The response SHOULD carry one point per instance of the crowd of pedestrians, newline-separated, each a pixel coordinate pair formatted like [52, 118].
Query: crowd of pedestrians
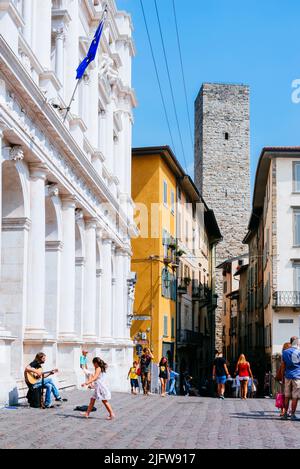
[140, 375]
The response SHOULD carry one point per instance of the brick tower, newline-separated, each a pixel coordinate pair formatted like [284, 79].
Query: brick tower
[222, 169]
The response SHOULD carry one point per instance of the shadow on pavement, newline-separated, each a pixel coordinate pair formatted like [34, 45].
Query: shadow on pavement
[260, 416]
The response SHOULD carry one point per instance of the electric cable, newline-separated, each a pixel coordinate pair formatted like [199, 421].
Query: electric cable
[183, 75]
[170, 83]
[157, 75]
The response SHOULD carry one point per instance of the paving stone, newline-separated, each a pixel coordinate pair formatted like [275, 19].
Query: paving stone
[150, 423]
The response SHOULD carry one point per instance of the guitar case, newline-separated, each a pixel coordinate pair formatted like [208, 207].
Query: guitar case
[34, 397]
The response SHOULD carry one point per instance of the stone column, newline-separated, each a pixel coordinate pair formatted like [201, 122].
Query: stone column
[27, 14]
[98, 300]
[93, 105]
[35, 321]
[59, 54]
[127, 265]
[1, 159]
[102, 131]
[109, 163]
[119, 309]
[106, 313]
[89, 323]
[67, 303]
[79, 295]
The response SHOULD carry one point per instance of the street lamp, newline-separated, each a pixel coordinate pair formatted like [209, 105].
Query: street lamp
[166, 279]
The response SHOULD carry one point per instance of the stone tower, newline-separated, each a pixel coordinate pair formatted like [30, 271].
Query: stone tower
[222, 169]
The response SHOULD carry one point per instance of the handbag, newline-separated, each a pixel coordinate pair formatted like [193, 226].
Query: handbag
[279, 401]
[138, 371]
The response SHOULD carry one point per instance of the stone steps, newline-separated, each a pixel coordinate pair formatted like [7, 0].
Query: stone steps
[23, 388]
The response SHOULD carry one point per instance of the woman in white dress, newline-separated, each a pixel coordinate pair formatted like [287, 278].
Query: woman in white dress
[99, 385]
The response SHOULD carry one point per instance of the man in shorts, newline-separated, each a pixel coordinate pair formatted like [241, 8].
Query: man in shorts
[291, 360]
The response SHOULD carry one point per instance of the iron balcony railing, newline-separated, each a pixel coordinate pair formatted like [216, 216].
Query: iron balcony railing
[201, 292]
[286, 299]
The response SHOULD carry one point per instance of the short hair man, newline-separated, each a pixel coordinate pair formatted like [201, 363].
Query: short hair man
[291, 360]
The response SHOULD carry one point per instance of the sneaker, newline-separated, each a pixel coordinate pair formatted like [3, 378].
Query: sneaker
[49, 406]
[294, 417]
[284, 417]
[60, 399]
[222, 397]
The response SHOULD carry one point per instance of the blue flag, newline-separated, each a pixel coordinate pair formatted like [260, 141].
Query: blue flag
[91, 53]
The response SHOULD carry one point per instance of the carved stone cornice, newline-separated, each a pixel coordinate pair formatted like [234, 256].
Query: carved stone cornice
[38, 171]
[68, 201]
[107, 241]
[16, 153]
[99, 273]
[60, 19]
[52, 190]
[80, 261]
[54, 246]
[91, 223]
[78, 215]
[13, 12]
[121, 252]
[16, 224]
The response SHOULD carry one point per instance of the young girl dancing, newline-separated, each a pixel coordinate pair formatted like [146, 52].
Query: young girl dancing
[99, 385]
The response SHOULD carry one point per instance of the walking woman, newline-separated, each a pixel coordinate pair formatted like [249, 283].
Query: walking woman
[163, 375]
[101, 391]
[243, 370]
[281, 378]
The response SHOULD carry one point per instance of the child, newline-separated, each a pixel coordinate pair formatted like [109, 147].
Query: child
[134, 379]
[163, 375]
[83, 359]
[101, 391]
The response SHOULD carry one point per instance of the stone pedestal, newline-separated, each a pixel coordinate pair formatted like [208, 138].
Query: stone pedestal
[8, 385]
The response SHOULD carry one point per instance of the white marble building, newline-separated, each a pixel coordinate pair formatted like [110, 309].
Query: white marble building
[67, 212]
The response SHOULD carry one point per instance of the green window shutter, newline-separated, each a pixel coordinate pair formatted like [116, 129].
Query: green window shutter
[173, 328]
[166, 326]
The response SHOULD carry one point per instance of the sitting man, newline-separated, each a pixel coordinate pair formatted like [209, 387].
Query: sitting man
[35, 370]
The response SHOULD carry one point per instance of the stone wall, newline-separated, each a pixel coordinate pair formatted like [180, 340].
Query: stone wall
[222, 169]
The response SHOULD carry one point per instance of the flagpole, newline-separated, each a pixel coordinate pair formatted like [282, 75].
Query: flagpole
[72, 99]
[103, 18]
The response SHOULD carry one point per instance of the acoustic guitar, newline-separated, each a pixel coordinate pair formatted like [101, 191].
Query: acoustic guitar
[32, 378]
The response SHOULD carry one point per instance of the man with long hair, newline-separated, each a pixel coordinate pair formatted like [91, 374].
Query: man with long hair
[35, 368]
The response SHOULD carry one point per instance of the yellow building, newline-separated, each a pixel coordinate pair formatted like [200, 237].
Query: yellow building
[154, 175]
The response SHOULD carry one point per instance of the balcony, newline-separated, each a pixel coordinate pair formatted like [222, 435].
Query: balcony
[286, 299]
[201, 293]
[186, 337]
[183, 284]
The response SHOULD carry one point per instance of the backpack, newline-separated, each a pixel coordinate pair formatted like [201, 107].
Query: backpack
[34, 397]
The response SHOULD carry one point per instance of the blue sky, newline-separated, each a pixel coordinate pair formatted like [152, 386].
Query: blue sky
[255, 43]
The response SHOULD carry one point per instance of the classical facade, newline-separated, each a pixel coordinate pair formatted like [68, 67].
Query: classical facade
[67, 212]
[222, 168]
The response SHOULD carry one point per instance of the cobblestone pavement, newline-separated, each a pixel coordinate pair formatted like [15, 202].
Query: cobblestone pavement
[150, 423]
